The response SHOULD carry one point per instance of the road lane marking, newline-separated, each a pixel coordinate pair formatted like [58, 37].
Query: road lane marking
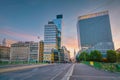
[56, 75]
[69, 73]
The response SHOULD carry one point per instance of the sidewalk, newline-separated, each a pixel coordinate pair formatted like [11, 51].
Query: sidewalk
[21, 67]
[85, 72]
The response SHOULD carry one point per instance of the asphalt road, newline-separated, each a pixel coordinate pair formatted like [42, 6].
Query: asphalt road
[84, 72]
[60, 72]
[50, 72]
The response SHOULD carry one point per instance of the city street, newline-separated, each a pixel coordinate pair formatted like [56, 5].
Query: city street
[60, 72]
[59, 40]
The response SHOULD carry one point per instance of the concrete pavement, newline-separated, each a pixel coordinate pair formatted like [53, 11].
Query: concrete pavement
[84, 72]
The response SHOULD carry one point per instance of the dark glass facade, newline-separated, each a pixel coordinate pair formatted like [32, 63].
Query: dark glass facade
[94, 32]
[58, 23]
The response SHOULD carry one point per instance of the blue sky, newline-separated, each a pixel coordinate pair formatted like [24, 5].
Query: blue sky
[24, 20]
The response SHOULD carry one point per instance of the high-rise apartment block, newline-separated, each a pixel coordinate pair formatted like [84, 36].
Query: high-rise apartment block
[94, 32]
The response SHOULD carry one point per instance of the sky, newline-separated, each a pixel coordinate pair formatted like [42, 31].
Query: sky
[24, 20]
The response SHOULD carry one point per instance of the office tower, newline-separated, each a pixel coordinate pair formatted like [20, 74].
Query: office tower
[94, 32]
[58, 23]
[52, 37]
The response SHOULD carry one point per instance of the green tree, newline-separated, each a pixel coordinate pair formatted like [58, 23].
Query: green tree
[0, 54]
[77, 58]
[95, 55]
[111, 56]
[118, 57]
[84, 56]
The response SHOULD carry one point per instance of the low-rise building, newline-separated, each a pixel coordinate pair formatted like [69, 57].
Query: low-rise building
[19, 51]
[48, 58]
[24, 51]
[55, 56]
[61, 55]
[34, 53]
[41, 51]
[118, 50]
[66, 54]
[4, 53]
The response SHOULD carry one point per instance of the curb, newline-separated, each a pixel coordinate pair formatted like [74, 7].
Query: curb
[21, 68]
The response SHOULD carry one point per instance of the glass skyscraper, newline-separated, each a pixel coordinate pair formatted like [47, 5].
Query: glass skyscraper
[52, 37]
[94, 32]
[58, 23]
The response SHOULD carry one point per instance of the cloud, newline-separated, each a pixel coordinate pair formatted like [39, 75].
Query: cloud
[116, 42]
[17, 35]
[70, 44]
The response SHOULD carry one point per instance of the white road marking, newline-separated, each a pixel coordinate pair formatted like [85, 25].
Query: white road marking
[69, 73]
[56, 75]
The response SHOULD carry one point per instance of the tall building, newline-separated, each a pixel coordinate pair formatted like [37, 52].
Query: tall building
[41, 51]
[58, 23]
[94, 32]
[52, 37]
